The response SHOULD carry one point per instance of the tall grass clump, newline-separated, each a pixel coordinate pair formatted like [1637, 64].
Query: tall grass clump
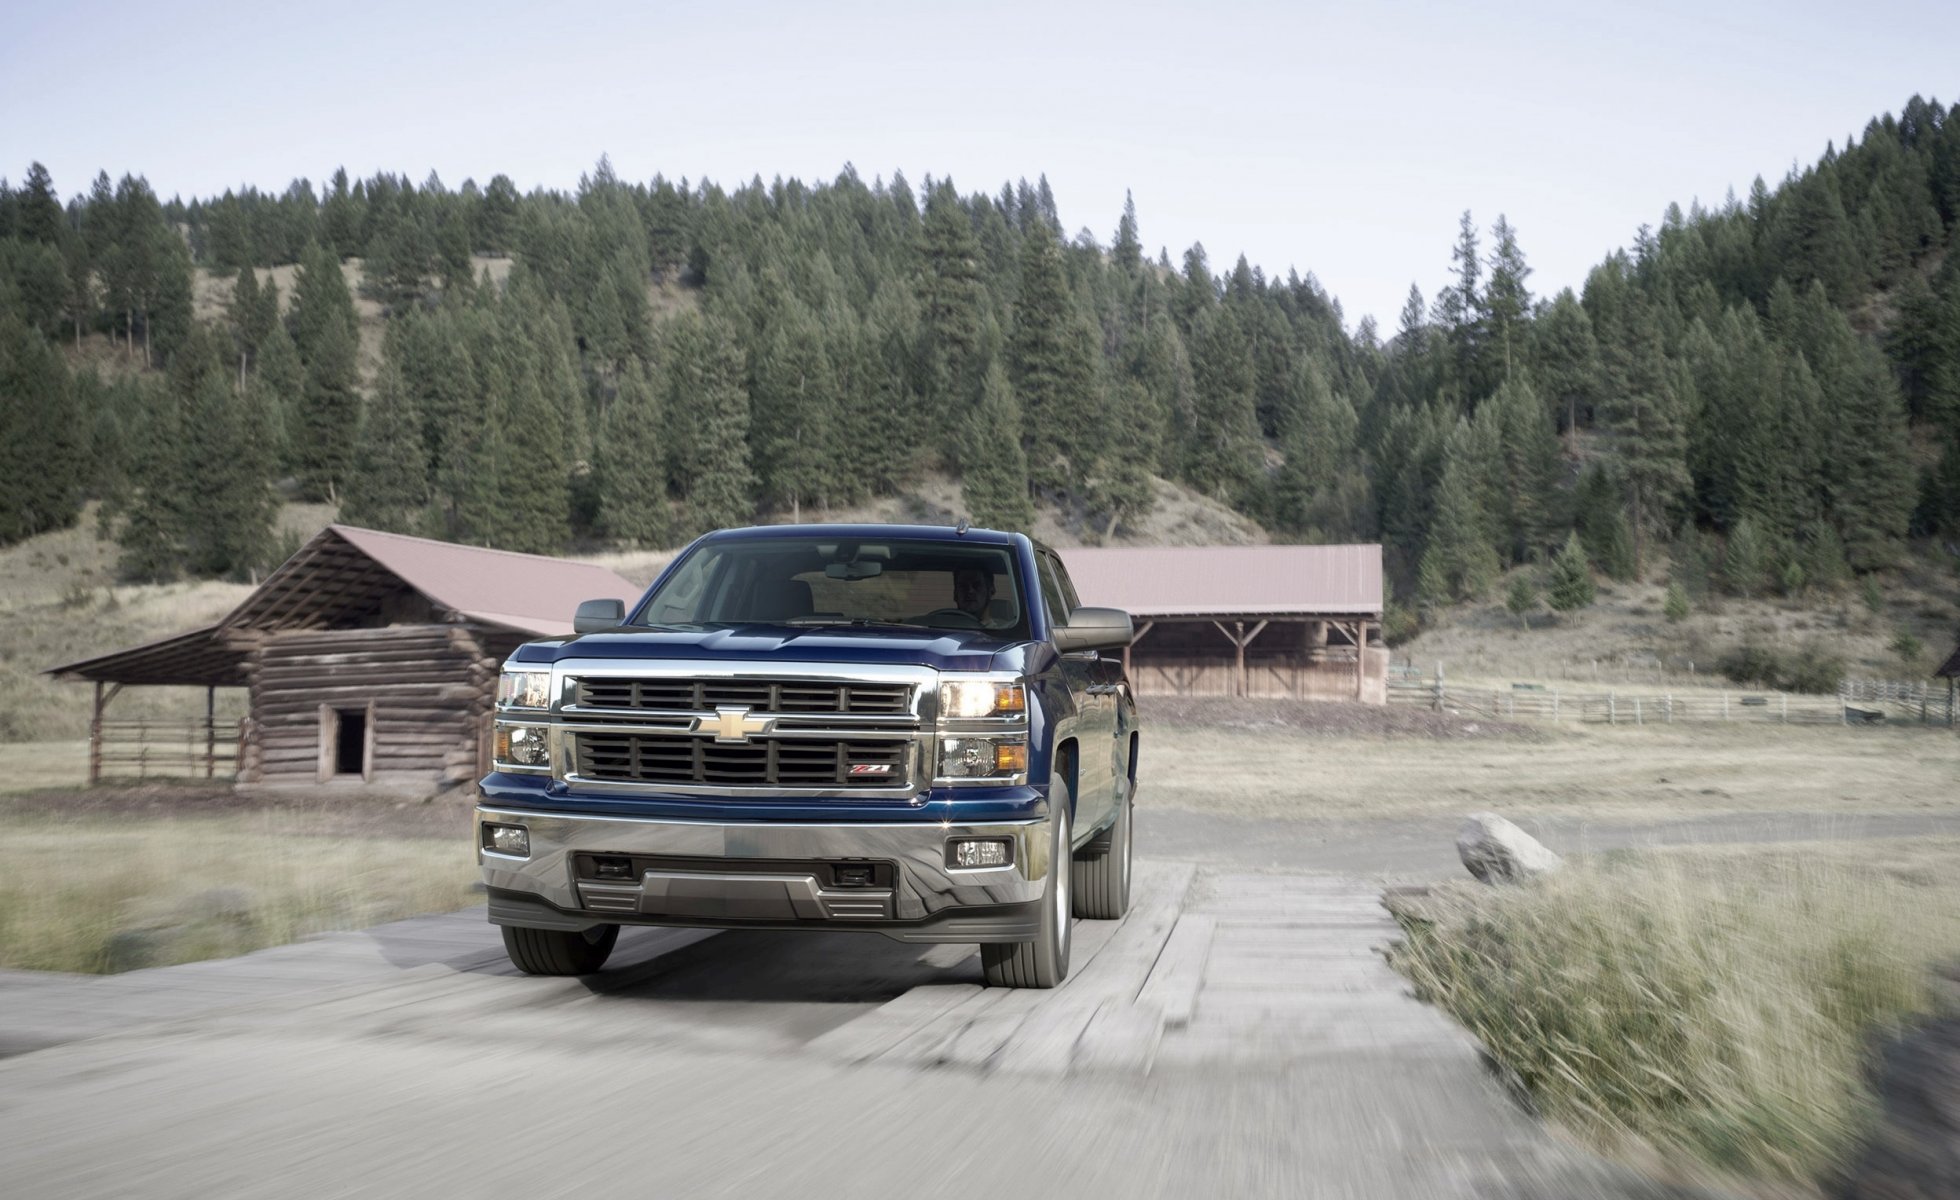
[104, 895]
[1726, 1006]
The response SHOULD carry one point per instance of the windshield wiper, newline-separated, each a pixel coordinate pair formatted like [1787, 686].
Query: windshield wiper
[854, 621]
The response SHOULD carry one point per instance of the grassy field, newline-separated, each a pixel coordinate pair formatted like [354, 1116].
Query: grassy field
[1621, 774]
[1719, 1004]
[114, 890]
[1624, 634]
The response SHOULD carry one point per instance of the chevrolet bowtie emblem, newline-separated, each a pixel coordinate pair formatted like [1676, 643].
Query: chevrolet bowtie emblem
[733, 724]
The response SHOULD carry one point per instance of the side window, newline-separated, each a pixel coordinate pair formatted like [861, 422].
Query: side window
[1052, 596]
[1068, 587]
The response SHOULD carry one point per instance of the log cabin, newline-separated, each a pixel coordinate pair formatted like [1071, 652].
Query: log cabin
[367, 658]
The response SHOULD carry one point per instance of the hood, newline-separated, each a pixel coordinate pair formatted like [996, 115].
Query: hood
[940, 649]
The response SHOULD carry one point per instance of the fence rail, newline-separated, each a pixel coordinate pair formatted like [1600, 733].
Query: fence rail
[164, 749]
[1856, 702]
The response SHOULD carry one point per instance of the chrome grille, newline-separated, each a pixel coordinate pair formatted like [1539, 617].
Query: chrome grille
[760, 695]
[787, 761]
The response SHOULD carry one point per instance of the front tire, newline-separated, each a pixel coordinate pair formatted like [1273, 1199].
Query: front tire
[1042, 963]
[1102, 870]
[559, 952]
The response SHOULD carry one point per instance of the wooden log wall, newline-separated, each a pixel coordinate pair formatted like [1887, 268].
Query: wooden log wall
[431, 688]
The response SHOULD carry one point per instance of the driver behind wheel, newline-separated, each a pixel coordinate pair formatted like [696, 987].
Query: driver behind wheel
[973, 591]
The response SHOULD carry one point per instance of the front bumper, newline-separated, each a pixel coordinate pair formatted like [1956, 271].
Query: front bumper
[766, 875]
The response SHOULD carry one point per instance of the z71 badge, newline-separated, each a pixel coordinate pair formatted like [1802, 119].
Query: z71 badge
[871, 769]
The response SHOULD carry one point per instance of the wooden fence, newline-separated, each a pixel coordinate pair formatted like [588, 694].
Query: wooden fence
[1856, 702]
[163, 749]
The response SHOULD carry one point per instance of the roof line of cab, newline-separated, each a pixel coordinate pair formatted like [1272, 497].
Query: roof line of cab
[988, 537]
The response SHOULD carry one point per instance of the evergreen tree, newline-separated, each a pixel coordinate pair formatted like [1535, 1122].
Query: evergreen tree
[1675, 605]
[633, 504]
[705, 381]
[1223, 455]
[1460, 536]
[1571, 586]
[1507, 305]
[1521, 599]
[329, 411]
[387, 486]
[1566, 360]
[995, 484]
[40, 452]
[1055, 371]
[1746, 559]
[952, 315]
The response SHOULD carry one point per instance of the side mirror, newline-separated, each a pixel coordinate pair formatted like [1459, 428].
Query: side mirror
[1095, 629]
[596, 615]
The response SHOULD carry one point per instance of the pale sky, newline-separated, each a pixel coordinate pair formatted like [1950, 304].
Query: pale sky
[1342, 139]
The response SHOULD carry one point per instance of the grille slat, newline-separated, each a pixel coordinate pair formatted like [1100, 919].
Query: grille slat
[763, 695]
[798, 762]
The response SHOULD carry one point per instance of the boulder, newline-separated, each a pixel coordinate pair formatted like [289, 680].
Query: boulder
[1496, 851]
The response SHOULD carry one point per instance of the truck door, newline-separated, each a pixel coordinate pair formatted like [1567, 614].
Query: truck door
[1092, 681]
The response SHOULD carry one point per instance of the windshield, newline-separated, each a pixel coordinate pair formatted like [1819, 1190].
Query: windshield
[798, 581]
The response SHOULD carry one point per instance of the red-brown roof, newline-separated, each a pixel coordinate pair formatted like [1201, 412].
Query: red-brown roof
[1204, 581]
[345, 577]
[346, 573]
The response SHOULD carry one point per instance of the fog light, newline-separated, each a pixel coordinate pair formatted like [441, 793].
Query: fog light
[514, 840]
[979, 852]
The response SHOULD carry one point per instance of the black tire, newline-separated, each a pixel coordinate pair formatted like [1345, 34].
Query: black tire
[1042, 963]
[1102, 869]
[558, 952]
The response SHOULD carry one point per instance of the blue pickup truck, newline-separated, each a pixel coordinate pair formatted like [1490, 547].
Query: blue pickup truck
[909, 730]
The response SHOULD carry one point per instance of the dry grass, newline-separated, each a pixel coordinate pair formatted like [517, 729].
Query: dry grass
[1647, 773]
[1724, 1004]
[1483, 642]
[102, 894]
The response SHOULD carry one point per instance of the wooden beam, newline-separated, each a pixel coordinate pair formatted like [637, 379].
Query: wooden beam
[210, 733]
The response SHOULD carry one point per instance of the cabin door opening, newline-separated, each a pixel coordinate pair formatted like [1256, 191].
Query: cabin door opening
[346, 743]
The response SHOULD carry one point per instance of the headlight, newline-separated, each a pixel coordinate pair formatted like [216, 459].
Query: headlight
[982, 757]
[969, 698]
[522, 746]
[524, 689]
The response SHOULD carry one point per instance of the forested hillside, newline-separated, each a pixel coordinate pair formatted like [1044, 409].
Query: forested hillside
[1769, 389]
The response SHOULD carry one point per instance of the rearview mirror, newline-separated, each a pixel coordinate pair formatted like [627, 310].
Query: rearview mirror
[594, 616]
[1095, 629]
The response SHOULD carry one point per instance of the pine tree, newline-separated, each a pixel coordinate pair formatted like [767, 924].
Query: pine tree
[1571, 585]
[1460, 536]
[1566, 360]
[41, 464]
[795, 403]
[952, 314]
[705, 381]
[1055, 370]
[329, 412]
[280, 381]
[1531, 504]
[1223, 455]
[995, 484]
[633, 504]
[1521, 599]
[1648, 416]
[1506, 304]
[1675, 606]
[387, 486]
[1745, 559]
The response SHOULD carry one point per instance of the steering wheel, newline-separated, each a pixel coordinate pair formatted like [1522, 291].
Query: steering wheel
[960, 618]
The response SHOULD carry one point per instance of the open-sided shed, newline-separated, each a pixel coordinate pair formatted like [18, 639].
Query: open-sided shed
[1297, 621]
[367, 656]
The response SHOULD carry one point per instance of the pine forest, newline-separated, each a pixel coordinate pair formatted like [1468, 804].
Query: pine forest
[1764, 395]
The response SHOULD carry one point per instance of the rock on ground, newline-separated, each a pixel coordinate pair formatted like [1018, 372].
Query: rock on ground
[1496, 851]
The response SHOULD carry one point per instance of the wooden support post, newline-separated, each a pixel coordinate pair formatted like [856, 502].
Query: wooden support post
[95, 739]
[1136, 637]
[1360, 657]
[211, 732]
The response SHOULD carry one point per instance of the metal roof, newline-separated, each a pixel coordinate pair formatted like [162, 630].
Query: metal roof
[1952, 668]
[1211, 581]
[345, 577]
[346, 573]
